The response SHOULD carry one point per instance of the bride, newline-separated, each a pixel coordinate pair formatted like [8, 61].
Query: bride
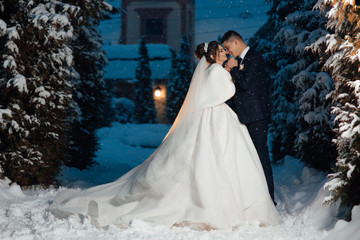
[206, 173]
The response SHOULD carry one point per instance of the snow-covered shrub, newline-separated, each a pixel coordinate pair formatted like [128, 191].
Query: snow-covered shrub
[124, 110]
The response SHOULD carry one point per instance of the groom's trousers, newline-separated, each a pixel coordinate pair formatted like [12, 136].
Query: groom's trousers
[258, 132]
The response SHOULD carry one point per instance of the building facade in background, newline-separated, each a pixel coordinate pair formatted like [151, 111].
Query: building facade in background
[160, 21]
[120, 72]
[163, 23]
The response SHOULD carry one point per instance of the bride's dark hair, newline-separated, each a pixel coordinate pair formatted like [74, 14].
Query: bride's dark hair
[212, 50]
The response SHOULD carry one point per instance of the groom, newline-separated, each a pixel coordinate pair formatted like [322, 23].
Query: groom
[250, 101]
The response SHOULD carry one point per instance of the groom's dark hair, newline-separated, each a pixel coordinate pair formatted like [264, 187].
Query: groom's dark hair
[230, 35]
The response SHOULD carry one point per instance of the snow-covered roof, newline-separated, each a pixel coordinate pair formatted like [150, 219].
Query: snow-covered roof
[131, 51]
[123, 60]
[125, 69]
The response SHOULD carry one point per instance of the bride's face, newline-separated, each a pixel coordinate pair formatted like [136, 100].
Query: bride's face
[221, 55]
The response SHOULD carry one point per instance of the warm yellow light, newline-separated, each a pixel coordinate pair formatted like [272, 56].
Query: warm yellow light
[157, 93]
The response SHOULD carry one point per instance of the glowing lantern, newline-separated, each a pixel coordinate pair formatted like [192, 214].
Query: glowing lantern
[157, 92]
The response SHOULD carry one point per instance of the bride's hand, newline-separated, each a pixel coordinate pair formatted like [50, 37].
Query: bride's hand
[227, 68]
[232, 63]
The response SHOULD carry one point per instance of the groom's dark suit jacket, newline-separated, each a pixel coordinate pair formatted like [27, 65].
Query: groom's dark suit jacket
[251, 100]
[251, 104]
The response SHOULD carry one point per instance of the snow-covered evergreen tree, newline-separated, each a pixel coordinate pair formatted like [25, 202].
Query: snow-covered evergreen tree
[315, 133]
[282, 67]
[179, 80]
[294, 72]
[266, 41]
[143, 86]
[263, 39]
[170, 113]
[90, 94]
[280, 9]
[314, 121]
[35, 89]
[340, 53]
[282, 126]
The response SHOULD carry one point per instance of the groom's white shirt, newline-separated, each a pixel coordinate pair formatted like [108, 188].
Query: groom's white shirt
[243, 54]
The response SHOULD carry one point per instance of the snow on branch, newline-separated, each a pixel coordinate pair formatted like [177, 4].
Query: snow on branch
[2, 28]
[13, 33]
[12, 47]
[107, 6]
[356, 86]
[63, 56]
[6, 112]
[19, 82]
[9, 62]
[67, 8]
[58, 25]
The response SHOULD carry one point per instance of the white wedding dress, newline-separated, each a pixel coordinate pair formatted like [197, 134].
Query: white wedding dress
[206, 172]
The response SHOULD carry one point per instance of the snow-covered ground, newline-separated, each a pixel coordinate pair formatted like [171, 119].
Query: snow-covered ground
[299, 190]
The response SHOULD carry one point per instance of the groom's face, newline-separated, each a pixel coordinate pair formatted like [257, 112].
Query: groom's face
[232, 47]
